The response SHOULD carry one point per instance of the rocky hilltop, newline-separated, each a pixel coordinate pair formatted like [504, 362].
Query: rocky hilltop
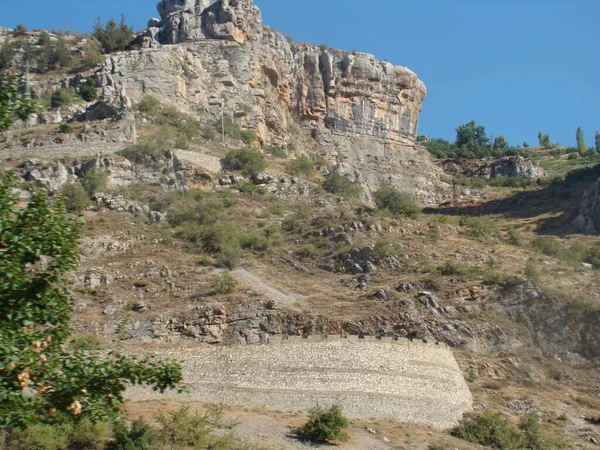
[361, 112]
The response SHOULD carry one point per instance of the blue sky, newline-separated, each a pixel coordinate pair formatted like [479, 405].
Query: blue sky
[515, 66]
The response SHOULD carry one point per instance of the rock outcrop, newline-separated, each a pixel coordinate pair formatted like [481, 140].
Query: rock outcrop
[508, 166]
[362, 112]
[588, 220]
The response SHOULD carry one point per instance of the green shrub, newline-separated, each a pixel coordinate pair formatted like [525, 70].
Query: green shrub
[483, 227]
[594, 256]
[62, 97]
[250, 162]
[90, 436]
[274, 210]
[41, 437]
[276, 151]
[75, 197]
[388, 198]
[491, 429]
[303, 212]
[148, 104]
[302, 166]
[94, 180]
[514, 237]
[182, 142]
[87, 90]
[549, 246]
[573, 156]
[66, 128]
[229, 127]
[149, 152]
[340, 185]
[384, 248]
[494, 430]
[223, 283]
[92, 54]
[248, 137]
[324, 425]
[306, 250]
[138, 436]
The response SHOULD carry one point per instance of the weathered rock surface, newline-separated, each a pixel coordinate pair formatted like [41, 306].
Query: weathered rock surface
[588, 220]
[363, 112]
[508, 166]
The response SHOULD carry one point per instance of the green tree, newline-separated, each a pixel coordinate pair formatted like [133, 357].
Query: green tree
[87, 90]
[41, 379]
[12, 104]
[441, 148]
[388, 198]
[544, 139]
[501, 145]
[7, 54]
[61, 54]
[581, 147]
[598, 142]
[473, 138]
[113, 37]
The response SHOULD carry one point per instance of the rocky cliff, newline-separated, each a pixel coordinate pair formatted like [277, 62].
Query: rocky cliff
[360, 111]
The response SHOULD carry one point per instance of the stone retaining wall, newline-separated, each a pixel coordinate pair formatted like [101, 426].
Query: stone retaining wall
[370, 378]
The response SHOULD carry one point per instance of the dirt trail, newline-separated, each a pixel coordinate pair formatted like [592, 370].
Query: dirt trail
[280, 298]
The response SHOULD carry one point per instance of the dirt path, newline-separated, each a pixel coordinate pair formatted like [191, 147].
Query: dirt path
[280, 298]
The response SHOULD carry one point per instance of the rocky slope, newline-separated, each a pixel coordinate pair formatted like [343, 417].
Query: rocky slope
[220, 59]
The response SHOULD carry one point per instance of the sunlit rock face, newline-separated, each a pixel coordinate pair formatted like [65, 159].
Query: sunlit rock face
[361, 112]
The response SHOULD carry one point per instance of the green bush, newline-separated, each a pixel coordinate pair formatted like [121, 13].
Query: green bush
[66, 128]
[388, 198]
[302, 166]
[75, 197]
[148, 104]
[94, 180]
[149, 152]
[138, 436]
[276, 151]
[532, 271]
[87, 90]
[493, 429]
[248, 137]
[483, 227]
[549, 246]
[223, 283]
[228, 127]
[41, 437]
[340, 185]
[324, 425]
[250, 162]
[182, 142]
[514, 237]
[62, 97]
[90, 436]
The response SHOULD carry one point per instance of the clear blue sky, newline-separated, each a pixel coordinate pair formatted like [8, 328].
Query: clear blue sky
[515, 66]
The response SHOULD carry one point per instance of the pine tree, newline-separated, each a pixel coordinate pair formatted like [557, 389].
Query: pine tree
[580, 141]
[598, 142]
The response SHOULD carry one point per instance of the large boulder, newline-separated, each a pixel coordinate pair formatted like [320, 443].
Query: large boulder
[508, 166]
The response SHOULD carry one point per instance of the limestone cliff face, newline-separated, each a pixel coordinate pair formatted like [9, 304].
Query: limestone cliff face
[225, 57]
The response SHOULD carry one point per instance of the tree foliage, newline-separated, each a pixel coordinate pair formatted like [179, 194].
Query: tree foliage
[13, 105]
[41, 380]
[581, 147]
[113, 37]
[544, 139]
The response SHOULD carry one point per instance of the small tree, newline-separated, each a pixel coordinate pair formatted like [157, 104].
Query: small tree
[20, 30]
[581, 147]
[87, 90]
[41, 379]
[7, 54]
[249, 161]
[324, 425]
[338, 184]
[61, 54]
[598, 142]
[544, 139]
[113, 37]
[12, 104]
